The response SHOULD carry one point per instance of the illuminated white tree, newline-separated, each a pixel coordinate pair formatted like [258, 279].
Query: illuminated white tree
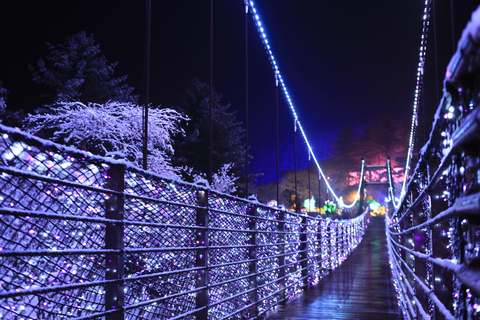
[112, 129]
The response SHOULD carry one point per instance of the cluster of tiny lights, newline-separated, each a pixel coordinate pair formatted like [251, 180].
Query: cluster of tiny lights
[158, 217]
[297, 123]
[418, 90]
[427, 233]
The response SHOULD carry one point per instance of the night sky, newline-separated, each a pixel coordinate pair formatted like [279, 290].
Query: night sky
[343, 62]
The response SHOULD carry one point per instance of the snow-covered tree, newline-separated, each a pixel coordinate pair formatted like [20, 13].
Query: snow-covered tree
[77, 71]
[112, 129]
[222, 180]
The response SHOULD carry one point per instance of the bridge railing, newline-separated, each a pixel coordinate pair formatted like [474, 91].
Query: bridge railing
[86, 237]
[434, 237]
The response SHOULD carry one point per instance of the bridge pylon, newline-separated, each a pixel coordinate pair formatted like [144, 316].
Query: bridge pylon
[365, 184]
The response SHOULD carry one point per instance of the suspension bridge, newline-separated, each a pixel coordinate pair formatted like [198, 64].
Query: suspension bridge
[89, 237]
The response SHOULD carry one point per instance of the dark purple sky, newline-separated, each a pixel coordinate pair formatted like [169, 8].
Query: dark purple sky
[343, 61]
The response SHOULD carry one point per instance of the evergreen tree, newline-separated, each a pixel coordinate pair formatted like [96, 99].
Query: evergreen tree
[3, 99]
[385, 134]
[8, 117]
[344, 155]
[193, 148]
[368, 147]
[392, 138]
[76, 70]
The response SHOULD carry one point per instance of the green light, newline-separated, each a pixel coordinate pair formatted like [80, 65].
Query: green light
[374, 205]
[309, 204]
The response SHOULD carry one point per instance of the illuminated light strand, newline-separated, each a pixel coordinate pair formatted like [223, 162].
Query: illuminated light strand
[263, 36]
[171, 265]
[418, 90]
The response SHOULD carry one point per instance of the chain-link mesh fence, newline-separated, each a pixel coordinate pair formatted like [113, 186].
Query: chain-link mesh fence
[86, 237]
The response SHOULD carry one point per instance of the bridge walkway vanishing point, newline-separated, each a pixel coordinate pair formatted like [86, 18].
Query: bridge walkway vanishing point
[361, 288]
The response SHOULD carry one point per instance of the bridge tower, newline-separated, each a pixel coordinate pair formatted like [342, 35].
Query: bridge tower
[365, 184]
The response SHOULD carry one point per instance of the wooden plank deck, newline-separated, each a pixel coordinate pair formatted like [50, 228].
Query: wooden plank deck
[360, 288]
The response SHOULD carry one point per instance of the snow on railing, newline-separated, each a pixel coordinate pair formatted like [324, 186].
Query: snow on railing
[84, 237]
[434, 236]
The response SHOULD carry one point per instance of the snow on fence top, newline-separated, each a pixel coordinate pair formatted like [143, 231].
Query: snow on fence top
[82, 236]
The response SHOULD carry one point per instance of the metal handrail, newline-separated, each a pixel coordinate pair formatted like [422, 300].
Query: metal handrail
[71, 241]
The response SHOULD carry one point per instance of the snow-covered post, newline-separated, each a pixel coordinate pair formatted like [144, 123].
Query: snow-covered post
[114, 262]
[333, 245]
[303, 250]
[252, 252]
[338, 243]
[202, 254]
[318, 223]
[281, 252]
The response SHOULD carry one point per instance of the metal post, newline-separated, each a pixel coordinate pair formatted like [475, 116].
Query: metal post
[333, 243]
[114, 262]
[319, 243]
[303, 251]
[202, 255]
[429, 247]
[390, 178]
[253, 267]
[281, 253]
[341, 244]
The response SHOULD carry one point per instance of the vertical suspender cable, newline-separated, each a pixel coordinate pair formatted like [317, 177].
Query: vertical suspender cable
[210, 167]
[435, 47]
[319, 191]
[277, 144]
[297, 209]
[268, 48]
[309, 189]
[146, 82]
[424, 121]
[418, 91]
[453, 26]
[246, 98]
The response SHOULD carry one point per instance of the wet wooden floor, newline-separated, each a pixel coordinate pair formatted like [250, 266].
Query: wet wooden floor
[359, 289]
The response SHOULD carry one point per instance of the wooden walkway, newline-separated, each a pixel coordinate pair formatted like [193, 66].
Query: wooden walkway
[360, 288]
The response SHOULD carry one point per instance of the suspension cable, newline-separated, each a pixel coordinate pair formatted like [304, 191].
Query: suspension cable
[263, 36]
[418, 90]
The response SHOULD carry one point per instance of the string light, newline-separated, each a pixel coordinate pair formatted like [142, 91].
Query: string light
[263, 36]
[160, 231]
[416, 101]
